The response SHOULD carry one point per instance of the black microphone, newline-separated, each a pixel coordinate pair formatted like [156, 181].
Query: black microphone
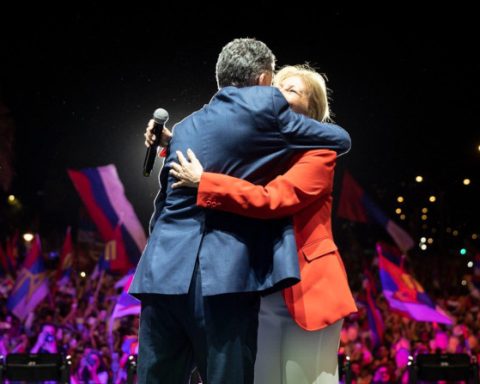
[160, 116]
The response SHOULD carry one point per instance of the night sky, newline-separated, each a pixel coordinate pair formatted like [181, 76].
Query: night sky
[82, 83]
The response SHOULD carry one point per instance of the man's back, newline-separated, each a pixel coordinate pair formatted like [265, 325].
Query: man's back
[244, 132]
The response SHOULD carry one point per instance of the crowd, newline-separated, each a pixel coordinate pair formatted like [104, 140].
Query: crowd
[75, 319]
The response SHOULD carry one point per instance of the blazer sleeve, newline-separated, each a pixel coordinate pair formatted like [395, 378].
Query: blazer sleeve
[301, 132]
[310, 178]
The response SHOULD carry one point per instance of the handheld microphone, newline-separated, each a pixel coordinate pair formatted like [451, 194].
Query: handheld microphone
[160, 116]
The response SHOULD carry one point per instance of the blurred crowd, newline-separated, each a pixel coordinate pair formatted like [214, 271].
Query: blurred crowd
[75, 319]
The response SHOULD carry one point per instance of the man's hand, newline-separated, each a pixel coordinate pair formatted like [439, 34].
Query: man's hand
[150, 138]
[188, 172]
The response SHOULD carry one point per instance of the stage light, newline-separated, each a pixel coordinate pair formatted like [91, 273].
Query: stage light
[423, 247]
[470, 264]
[430, 240]
[463, 251]
[400, 199]
[28, 237]
[402, 217]
[424, 210]
[464, 282]
[83, 274]
[11, 199]
[424, 217]
[432, 199]
[423, 239]
[398, 211]
[455, 232]
[466, 181]
[474, 236]
[419, 179]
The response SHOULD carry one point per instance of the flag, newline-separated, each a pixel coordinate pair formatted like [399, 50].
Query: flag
[356, 205]
[102, 265]
[12, 252]
[4, 270]
[103, 195]
[115, 253]
[31, 285]
[126, 304]
[374, 316]
[402, 292]
[64, 269]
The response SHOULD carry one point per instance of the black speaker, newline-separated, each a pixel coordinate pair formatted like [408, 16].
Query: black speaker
[449, 366]
[35, 367]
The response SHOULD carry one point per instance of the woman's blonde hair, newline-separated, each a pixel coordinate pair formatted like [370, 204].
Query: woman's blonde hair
[316, 88]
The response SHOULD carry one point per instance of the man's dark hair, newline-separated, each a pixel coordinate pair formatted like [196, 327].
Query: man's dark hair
[242, 61]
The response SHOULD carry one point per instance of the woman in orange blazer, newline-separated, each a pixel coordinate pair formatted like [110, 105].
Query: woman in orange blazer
[299, 329]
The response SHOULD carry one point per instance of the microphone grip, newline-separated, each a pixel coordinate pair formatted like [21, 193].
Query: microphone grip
[151, 153]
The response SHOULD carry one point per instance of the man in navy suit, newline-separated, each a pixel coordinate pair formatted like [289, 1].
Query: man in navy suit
[202, 272]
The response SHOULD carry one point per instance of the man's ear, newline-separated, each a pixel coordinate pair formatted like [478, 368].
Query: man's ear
[265, 79]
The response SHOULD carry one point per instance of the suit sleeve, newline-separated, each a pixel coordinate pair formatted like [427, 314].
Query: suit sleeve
[310, 178]
[301, 132]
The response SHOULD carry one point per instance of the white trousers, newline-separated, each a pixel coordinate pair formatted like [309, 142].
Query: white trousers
[288, 354]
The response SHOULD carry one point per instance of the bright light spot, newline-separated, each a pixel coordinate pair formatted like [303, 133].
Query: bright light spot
[464, 282]
[423, 239]
[479, 148]
[455, 233]
[424, 217]
[432, 199]
[466, 181]
[430, 240]
[83, 274]
[470, 264]
[424, 210]
[423, 247]
[419, 179]
[463, 251]
[400, 199]
[28, 237]
[11, 199]
[398, 211]
[402, 217]
[474, 236]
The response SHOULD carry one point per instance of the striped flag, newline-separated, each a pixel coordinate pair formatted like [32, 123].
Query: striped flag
[31, 285]
[355, 205]
[403, 292]
[65, 264]
[103, 195]
[126, 304]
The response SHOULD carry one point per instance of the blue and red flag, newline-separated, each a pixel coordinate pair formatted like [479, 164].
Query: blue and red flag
[31, 285]
[355, 205]
[65, 264]
[126, 304]
[11, 249]
[103, 195]
[402, 291]
[374, 316]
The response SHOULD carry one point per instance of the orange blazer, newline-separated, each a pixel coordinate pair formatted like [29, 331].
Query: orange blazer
[305, 191]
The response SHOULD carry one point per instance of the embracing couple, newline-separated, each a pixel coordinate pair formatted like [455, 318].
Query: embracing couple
[241, 255]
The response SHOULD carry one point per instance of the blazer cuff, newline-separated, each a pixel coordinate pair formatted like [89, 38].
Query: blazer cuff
[206, 190]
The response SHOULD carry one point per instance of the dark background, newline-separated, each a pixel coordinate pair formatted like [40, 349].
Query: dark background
[81, 83]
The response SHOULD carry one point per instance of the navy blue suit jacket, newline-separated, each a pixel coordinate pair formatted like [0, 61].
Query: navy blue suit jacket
[250, 133]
